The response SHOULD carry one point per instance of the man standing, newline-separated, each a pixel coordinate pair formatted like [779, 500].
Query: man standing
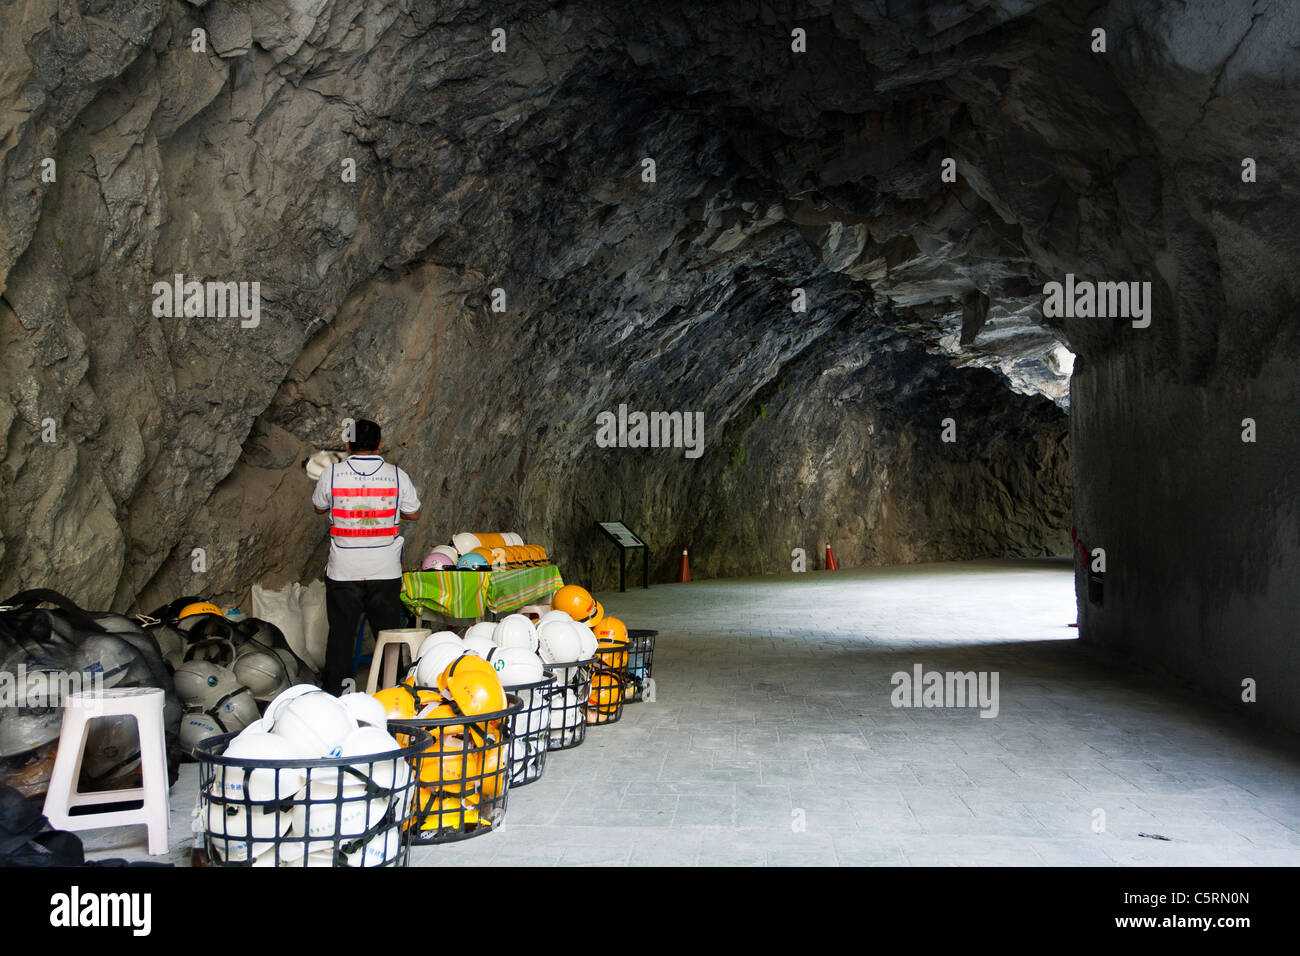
[366, 499]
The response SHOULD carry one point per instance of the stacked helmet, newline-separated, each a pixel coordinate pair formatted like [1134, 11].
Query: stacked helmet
[440, 558]
[262, 672]
[434, 661]
[516, 665]
[199, 607]
[434, 639]
[472, 686]
[316, 723]
[196, 727]
[473, 562]
[105, 657]
[365, 710]
[203, 684]
[400, 702]
[559, 641]
[515, 630]
[611, 631]
[575, 601]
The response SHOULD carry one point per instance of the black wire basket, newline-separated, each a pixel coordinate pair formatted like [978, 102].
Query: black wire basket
[332, 811]
[608, 685]
[532, 730]
[640, 663]
[569, 703]
[462, 775]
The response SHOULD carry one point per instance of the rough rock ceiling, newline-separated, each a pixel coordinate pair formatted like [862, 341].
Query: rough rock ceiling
[521, 171]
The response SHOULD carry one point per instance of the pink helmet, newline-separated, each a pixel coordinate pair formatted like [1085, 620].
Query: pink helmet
[439, 559]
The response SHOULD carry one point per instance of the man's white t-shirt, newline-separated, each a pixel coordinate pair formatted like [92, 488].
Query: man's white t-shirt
[365, 564]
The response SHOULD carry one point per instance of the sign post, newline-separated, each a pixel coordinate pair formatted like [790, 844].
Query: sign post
[622, 536]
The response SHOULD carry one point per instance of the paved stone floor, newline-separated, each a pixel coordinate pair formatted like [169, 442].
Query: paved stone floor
[773, 741]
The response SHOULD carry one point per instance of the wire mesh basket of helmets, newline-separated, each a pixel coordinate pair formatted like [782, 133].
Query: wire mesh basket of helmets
[609, 676]
[569, 698]
[48, 653]
[259, 805]
[532, 729]
[463, 774]
[640, 663]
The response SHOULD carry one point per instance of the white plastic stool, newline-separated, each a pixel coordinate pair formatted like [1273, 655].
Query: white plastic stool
[145, 704]
[529, 610]
[393, 640]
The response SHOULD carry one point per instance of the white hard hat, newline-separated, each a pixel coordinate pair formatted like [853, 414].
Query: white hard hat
[465, 542]
[365, 709]
[516, 665]
[236, 710]
[559, 641]
[554, 616]
[481, 629]
[434, 662]
[532, 720]
[587, 640]
[371, 741]
[244, 822]
[381, 848]
[202, 684]
[112, 747]
[297, 690]
[265, 783]
[196, 727]
[479, 644]
[433, 640]
[315, 465]
[316, 723]
[259, 726]
[515, 630]
[565, 711]
[262, 672]
[293, 667]
[105, 654]
[344, 818]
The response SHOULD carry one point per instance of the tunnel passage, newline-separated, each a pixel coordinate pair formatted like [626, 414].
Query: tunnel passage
[912, 176]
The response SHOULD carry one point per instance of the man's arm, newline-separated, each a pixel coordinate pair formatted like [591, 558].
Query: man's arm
[321, 498]
[409, 505]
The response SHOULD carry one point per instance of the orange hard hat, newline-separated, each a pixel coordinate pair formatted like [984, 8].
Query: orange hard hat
[575, 601]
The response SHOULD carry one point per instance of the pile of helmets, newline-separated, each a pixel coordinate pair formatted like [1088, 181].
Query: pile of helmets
[225, 671]
[317, 781]
[483, 551]
[47, 653]
[456, 694]
[608, 644]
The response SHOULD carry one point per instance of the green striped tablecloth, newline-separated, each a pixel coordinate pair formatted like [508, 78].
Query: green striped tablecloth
[474, 593]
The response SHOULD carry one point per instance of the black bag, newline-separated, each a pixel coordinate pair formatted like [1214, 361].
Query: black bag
[26, 838]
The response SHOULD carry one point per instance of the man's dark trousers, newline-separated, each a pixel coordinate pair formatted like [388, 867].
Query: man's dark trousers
[345, 602]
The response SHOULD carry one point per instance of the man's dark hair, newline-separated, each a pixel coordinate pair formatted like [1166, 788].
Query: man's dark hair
[367, 436]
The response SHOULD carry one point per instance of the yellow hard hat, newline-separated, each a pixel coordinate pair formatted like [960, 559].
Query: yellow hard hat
[199, 607]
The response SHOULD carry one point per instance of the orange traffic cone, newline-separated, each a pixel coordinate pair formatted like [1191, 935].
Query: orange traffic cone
[684, 575]
[830, 559]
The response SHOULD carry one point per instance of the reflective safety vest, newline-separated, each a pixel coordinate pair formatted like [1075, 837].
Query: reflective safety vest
[363, 509]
